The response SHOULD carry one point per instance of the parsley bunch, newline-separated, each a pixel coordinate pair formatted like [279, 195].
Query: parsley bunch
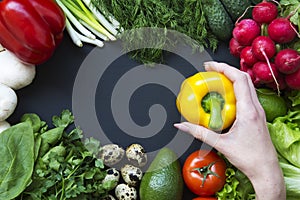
[65, 167]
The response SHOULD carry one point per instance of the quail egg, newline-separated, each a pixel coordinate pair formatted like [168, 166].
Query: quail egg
[125, 192]
[112, 174]
[136, 154]
[111, 154]
[131, 175]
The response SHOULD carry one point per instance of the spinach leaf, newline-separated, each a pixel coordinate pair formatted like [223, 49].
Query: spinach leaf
[34, 119]
[17, 159]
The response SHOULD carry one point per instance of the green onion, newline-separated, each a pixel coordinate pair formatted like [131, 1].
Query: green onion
[111, 27]
[76, 23]
[73, 34]
[96, 42]
[85, 23]
[100, 35]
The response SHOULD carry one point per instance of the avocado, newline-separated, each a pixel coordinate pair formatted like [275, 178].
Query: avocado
[163, 179]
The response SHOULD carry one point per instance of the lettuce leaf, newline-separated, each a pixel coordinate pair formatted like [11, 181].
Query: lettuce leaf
[237, 185]
[285, 135]
[291, 177]
[294, 97]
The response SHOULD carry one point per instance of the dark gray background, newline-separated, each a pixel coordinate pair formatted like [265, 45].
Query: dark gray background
[51, 92]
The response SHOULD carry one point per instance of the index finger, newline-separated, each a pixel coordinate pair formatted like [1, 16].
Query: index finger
[242, 90]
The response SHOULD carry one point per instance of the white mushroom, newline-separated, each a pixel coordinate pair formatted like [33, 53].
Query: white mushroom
[125, 192]
[8, 101]
[14, 73]
[3, 126]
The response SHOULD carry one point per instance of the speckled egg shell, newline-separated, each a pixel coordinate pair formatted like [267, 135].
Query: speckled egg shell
[136, 155]
[112, 174]
[125, 192]
[111, 154]
[132, 175]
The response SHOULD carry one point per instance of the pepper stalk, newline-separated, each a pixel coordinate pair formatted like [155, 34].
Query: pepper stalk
[213, 103]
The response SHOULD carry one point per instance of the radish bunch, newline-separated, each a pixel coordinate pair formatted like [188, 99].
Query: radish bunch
[256, 40]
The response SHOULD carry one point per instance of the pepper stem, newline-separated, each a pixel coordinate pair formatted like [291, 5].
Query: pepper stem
[213, 103]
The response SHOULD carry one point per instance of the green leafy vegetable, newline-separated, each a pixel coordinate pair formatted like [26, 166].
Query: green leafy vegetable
[293, 97]
[285, 135]
[67, 170]
[17, 159]
[39, 162]
[291, 8]
[183, 16]
[237, 186]
[291, 177]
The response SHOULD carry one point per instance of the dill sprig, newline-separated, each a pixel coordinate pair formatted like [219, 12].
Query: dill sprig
[185, 16]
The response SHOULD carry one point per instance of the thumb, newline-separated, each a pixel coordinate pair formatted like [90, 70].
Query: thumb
[205, 135]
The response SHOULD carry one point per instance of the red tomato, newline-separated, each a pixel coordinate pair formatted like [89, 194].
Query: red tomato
[204, 172]
[205, 198]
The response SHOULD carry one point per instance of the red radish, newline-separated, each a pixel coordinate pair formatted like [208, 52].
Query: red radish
[245, 31]
[263, 73]
[293, 80]
[287, 61]
[235, 48]
[281, 30]
[246, 68]
[247, 56]
[263, 47]
[264, 12]
[281, 83]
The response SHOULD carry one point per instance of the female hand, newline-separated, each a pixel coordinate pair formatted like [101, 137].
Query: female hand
[247, 145]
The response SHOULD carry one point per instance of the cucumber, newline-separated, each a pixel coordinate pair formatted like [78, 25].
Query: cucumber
[236, 8]
[256, 1]
[218, 19]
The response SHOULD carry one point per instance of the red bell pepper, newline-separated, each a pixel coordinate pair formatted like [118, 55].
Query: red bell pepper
[31, 29]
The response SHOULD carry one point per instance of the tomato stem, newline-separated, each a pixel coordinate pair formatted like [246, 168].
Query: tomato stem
[205, 171]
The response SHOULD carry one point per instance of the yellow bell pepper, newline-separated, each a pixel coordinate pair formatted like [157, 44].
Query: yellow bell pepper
[207, 99]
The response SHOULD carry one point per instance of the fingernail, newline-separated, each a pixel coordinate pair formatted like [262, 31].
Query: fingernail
[207, 64]
[181, 127]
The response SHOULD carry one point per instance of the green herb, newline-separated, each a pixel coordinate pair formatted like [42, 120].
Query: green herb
[186, 17]
[39, 162]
